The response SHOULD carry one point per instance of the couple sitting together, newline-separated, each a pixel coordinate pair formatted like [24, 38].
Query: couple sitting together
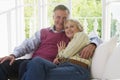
[61, 52]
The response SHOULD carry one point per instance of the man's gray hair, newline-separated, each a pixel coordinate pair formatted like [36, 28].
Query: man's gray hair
[61, 7]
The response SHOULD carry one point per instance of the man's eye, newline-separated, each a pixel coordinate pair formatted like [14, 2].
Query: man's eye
[65, 27]
[65, 18]
[71, 26]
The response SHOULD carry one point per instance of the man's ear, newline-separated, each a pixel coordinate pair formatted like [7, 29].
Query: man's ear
[53, 15]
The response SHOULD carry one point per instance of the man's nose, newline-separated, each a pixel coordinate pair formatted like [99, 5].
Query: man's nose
[62, 20]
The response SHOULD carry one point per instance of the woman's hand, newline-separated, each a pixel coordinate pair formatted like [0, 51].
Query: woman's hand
[61, 46]
[56, 61]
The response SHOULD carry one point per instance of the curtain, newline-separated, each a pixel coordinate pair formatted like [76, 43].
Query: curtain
[11, 24]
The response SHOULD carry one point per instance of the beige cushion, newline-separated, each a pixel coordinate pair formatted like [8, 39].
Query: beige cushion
[101, 56]
[112, 70]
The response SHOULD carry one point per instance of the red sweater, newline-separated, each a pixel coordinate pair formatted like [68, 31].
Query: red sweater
[48, 47]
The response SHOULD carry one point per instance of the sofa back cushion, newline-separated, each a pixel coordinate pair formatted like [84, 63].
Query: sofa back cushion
[101, 56]
[112, 69]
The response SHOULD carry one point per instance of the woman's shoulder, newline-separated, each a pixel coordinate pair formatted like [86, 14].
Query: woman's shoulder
[81, 34]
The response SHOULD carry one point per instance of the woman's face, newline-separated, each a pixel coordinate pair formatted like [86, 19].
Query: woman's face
[70, 29]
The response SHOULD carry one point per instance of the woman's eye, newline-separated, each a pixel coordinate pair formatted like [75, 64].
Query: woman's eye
[65, 27]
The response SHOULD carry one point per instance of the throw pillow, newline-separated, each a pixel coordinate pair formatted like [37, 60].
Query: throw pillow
[112, 70]
[101, 56]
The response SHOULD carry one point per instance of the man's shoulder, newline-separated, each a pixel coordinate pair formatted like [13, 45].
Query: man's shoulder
[46, 29]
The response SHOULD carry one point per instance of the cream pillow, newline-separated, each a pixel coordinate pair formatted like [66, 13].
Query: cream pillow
[101, 56]
[112, 69]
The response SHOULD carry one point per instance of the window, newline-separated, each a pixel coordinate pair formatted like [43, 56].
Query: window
[22, 18]
[115, 18]
[88, 12]
[38, 14]
[111, 18]
[12, 25]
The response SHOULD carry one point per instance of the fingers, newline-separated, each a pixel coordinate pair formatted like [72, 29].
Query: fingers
[56, 61]
[3, 59]
[87, 51]
[11, 58]
[62, 44]
[84, 54]
[58, 45]
[11, 62]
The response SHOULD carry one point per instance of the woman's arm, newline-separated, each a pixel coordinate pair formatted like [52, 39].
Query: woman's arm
[79, 41]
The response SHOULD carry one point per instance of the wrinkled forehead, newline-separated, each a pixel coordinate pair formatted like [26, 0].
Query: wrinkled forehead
[61, 12]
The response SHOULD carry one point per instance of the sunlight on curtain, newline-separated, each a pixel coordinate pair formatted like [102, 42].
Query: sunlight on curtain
[3, 36]
[113, 10]
[5, 5]
[11, 25]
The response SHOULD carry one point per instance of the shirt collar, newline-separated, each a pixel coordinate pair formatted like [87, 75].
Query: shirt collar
[52, 28]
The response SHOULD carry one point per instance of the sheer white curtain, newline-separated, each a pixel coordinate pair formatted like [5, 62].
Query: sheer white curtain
[111, 9]
[11, 25]
[12, 32]
[3, 36]
[5, 5]
[39, 18]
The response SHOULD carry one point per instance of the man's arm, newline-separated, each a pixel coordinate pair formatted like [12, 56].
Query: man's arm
[88, 51]
[27, 46]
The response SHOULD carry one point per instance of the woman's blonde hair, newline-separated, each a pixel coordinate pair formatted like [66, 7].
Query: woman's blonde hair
[78, 24]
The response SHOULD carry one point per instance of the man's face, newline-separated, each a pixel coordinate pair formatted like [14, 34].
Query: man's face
[59, 17]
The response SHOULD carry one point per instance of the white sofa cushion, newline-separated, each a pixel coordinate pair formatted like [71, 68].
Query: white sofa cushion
[101, 56]
[112, 69]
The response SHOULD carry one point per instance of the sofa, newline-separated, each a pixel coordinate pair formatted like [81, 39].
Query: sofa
[105, 62]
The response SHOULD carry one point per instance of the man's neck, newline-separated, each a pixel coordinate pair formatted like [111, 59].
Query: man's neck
[57, 30]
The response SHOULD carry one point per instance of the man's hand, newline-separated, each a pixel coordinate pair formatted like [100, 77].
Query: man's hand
[88, 51]
[11, 58]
